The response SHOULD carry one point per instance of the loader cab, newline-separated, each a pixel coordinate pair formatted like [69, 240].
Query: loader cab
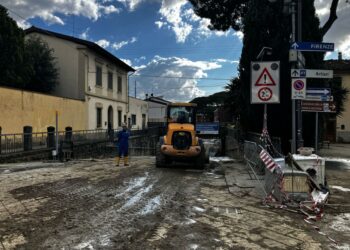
[183, 113]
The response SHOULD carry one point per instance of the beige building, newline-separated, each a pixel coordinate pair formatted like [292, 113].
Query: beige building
[88, 72]
[23, 108]
[157, 107]
[138, 113]
[341, 70]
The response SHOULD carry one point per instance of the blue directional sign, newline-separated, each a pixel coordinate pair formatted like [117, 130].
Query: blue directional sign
[312, 46]
[319, 94]
[208, 128]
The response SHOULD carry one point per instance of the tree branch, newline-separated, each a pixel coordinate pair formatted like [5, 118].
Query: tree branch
[331, 19]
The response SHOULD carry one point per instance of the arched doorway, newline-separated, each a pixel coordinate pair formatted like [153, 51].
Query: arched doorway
[110, 117]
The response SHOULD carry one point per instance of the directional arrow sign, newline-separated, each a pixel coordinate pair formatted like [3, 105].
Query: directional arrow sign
[319, 73]
[320, 98]
[314, 106]
[311, 73]
[322, 92]
[298, 73]
[313, 46]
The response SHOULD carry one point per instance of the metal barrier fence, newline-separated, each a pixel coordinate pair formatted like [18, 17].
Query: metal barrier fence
[20, 142]
[255, 137]
[251, 156]
[235, 142]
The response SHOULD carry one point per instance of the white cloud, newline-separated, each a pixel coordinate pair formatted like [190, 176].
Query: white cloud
[110, 9]
[23, 24]
[178, 16]
[339, 32]
[176, 81]
[127, 61]
[48, 10]
[222, 60]
[119, 45]
[239, 34]
[159, 24]
[142, 58]
[50, 18]
[171, 11]
[85, 34]
[344, 46]
[103, 43]
[131, 4]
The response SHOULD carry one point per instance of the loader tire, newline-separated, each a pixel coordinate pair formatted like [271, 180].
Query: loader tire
[160, 158]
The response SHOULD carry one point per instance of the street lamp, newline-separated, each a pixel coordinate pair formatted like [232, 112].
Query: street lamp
[262, 52]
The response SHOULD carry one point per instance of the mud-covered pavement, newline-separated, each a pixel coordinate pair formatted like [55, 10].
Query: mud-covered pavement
[95, 205]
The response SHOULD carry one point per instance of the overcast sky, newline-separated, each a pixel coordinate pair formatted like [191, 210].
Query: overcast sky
[175, 54]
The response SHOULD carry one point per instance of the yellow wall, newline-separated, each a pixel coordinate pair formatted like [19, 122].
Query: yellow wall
[22, 108]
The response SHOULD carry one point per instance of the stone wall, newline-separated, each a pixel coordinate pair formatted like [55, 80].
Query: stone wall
[139, 145]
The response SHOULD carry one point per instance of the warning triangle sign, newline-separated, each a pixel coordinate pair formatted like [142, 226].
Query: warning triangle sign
[265, 79]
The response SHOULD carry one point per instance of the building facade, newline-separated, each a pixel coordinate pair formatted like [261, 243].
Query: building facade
[157, 107]
[138, 113]
[88, 72]
[341, 70]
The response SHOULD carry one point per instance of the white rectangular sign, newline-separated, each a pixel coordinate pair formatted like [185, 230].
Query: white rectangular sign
[265, 82]
[311, 73]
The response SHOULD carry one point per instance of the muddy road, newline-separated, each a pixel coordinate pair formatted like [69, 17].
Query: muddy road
[95, 205]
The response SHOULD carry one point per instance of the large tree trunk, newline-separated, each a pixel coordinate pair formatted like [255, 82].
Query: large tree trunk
[331, 19]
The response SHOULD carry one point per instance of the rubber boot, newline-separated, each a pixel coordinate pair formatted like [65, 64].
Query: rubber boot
[117, 161]
[126, 161]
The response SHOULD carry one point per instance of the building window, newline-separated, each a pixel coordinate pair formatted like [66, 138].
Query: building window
[98, 76]
[119, 118]
[143, 121]
[133, 119]
[99, 117]
[120, 89]
[110, 80]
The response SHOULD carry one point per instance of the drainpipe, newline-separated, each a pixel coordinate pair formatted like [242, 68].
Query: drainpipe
[87, 87]
[128, 99]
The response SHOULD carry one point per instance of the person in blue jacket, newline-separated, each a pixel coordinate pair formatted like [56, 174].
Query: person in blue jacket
[123, 145]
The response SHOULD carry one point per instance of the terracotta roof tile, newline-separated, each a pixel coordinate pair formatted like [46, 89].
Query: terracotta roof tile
[342, 65]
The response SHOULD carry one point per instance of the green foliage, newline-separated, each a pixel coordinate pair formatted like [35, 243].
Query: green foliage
[264, 24]
[11, 51]
[40, 66]
[208, 104]
[24, 64]
[223, 14]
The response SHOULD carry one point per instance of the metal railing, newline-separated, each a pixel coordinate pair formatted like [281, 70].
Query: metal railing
[20, 142]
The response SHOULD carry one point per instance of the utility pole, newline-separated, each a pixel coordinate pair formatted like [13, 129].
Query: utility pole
[135, 88]
[56, 135]
[295, 66]
[300, 116]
